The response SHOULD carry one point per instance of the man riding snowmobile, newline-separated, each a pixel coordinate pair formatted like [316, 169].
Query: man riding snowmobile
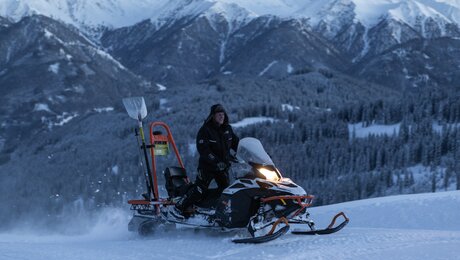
[258, 200]
[214, 141]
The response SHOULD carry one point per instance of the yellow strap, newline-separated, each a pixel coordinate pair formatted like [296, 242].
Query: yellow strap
[142, 133]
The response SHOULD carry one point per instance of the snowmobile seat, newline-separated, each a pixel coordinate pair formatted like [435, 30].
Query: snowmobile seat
[177, 182]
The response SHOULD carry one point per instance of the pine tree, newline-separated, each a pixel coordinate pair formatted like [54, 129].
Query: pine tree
[433, 178]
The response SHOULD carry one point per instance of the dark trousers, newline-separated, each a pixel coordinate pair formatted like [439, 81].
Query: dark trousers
[204, 178]
[198, 190]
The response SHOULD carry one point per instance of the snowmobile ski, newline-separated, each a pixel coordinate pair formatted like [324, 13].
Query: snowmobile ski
[263, 239]
[329, 230]
[271, 235]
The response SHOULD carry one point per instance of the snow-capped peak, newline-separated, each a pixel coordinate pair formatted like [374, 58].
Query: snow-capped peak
[177, 9]
[110, 13]
[231, 11]
[408, 11]
[119, 13]
[411, 11]
[235, 15]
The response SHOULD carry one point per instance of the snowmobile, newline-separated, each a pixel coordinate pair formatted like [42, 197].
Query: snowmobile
[260, 199]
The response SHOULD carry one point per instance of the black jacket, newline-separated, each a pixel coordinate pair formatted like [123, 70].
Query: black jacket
[214, 143]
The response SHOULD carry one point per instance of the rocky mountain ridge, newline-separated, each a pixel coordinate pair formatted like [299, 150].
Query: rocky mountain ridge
[182, 41]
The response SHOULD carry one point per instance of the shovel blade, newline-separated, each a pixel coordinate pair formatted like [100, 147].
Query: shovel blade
[136, 108]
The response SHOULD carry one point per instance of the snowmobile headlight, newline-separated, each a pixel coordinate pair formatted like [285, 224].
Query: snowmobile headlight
[269, 174]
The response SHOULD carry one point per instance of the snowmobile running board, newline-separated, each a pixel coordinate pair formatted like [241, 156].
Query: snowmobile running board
[326, 231]
[147, 205]
[146, 202]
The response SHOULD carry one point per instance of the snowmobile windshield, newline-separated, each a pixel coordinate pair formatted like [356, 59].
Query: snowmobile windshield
[251, 151]
[254, 161]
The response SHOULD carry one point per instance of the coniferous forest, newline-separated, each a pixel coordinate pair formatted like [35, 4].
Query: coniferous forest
[338, 166]
[93, 161]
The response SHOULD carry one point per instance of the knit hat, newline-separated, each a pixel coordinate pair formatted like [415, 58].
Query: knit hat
[216, 109]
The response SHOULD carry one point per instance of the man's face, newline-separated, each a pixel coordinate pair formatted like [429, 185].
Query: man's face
[219, 118]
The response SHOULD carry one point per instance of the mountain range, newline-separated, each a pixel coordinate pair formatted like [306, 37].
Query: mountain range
[163, 40]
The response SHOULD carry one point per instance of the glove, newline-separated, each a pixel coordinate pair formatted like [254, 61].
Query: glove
[233, 159]
[221, 166]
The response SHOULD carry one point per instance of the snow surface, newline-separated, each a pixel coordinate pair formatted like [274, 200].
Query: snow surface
[417, 226]
[361, 131]
[192, 150]
[267, 68]
[115, 169]
[54, 68]
[60, 120]
[65, 118]
[103, 109]
[288, 107]
[438, 128]
[252, 120]
[161, 87]
[423, 178]
[289, 68]
[164, 103]
[42, 107]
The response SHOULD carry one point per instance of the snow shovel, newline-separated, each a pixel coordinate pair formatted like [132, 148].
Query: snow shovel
[136, 108]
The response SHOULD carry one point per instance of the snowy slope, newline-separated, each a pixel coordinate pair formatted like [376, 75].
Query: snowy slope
[420, 226]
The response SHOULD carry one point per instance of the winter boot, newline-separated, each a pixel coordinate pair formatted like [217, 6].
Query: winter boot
[177, 213]
[184, 205]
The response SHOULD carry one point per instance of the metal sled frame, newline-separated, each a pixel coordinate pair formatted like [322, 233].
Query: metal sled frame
[145, 204]
[152, 152]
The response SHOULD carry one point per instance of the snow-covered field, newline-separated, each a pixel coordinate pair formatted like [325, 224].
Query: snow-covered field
[421, 226]
[252, 120]
[360, 131]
